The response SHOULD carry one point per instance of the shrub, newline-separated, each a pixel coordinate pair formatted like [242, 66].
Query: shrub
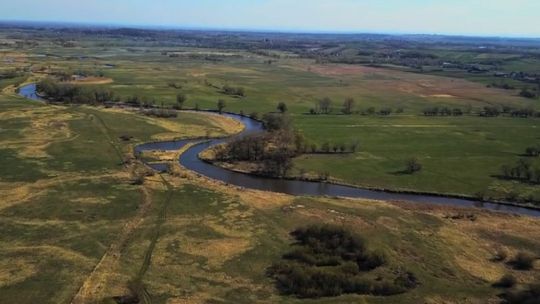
[412, 165]
[138, 180]
[372, 260]
[282, 107]
[254, 115]
[532, 151]
[526, 93]
[523, 261]
[529, 295]
[507, 281]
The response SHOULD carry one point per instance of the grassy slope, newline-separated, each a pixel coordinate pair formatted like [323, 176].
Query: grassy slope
[65, 194]
[215, 247]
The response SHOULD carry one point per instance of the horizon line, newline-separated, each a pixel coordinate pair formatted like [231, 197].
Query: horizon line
[75, 24]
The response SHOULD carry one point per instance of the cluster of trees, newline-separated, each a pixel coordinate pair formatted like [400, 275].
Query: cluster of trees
[523, 113]
[275, 122]
[532, 151]
[487, 111]
[327, 148]
[138, 101]
[69, 93]
[68, 75]
[161, 113]
[493, 111]
[443, 111]
[383, 111]
[329, 261]
[273, 150]
[233, 91]
[522, 171]
[490, 111]
[323, 106]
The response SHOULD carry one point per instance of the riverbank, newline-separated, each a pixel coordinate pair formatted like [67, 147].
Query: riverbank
[252, 169]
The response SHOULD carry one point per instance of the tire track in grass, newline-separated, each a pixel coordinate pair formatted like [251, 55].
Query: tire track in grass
[137, 283]
[94, 285]
[107, 132]
[91, 290]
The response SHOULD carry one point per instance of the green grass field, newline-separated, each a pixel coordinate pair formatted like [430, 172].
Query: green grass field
[460, 155]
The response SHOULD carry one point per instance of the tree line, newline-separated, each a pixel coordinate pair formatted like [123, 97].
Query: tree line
[523, 171]
[69, 93]
[487, 111]
[493, 111]
[348, 107]
[443, 111]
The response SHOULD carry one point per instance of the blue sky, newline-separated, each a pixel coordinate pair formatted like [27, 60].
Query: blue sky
[469, 17]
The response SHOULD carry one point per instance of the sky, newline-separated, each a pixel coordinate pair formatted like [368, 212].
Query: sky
[513, 18]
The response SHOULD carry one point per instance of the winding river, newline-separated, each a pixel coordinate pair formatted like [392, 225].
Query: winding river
[191, 161]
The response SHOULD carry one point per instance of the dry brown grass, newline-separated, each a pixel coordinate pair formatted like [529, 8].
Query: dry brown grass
[16, 270]
[398, 83]
[20, 193]
[92, 80]
[47, 126]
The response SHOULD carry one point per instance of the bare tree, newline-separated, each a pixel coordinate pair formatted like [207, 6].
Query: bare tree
[325, 105]
[348, 106]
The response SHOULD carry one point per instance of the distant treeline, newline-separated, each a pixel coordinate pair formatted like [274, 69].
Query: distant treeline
[326, 106]
[70, 93]
[487, 111]
[444, 111]
[492, 111]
